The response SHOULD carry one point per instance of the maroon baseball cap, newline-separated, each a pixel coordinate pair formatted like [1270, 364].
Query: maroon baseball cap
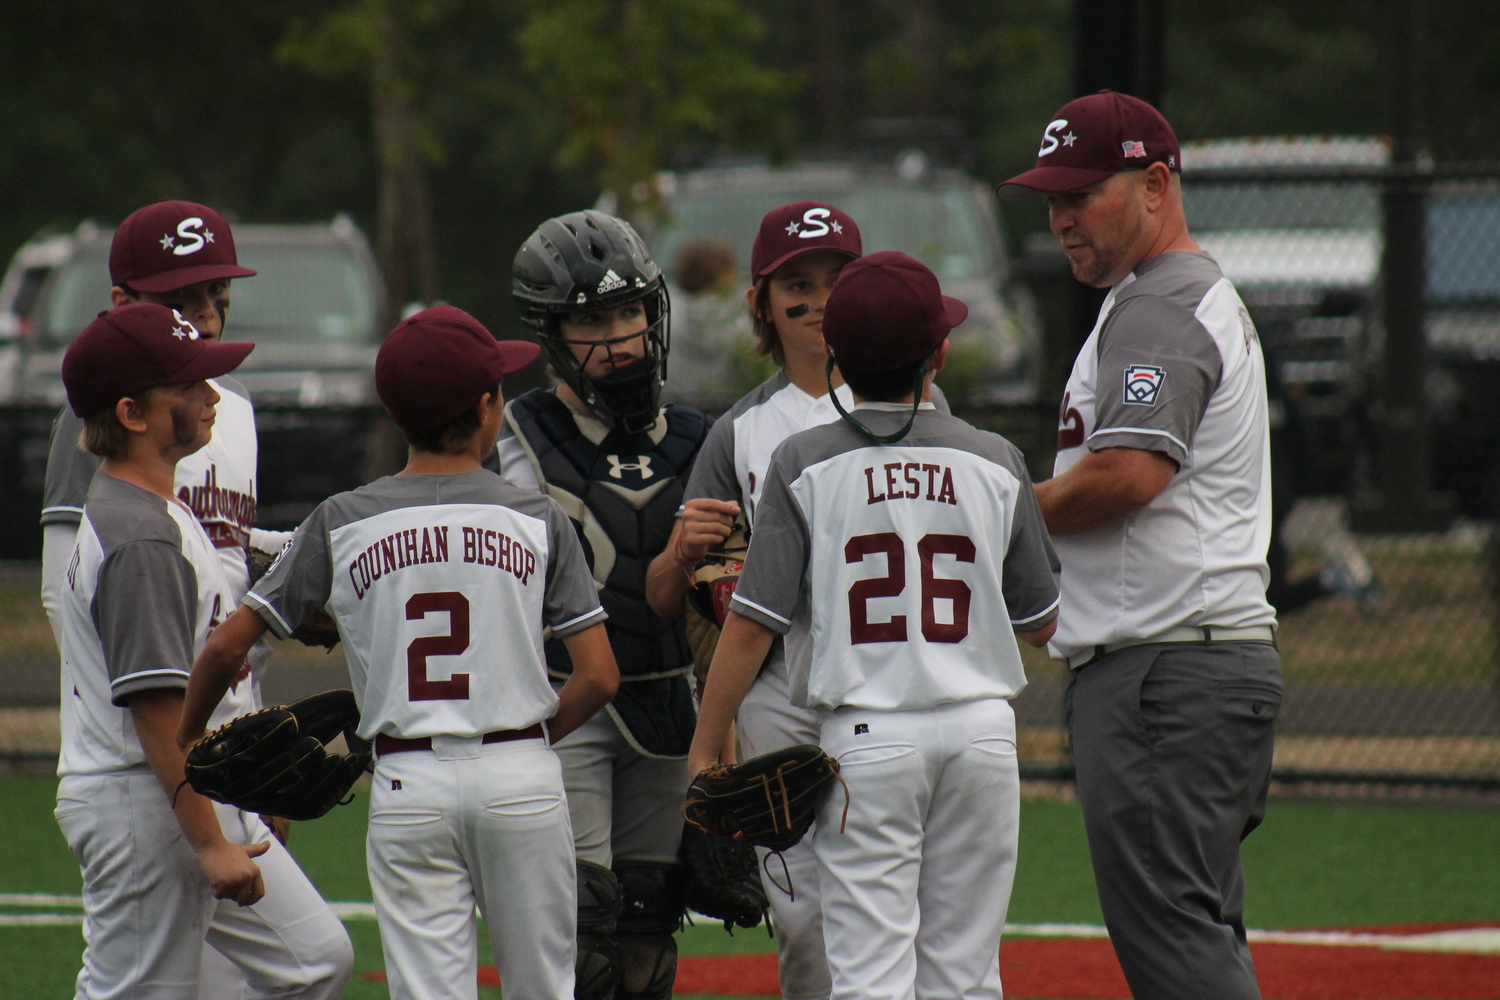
[799, 228]
[173, 244]
[438, 362]
[1093, 138]
[887, 311]
[130, 349]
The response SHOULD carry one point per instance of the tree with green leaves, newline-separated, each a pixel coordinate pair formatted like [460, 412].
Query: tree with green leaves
[623, 83]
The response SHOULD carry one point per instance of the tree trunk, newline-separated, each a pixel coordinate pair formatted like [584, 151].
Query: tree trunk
[404, 241]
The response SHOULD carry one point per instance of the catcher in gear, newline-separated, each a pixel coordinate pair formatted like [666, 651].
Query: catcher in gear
[276, 762]
[601, 443]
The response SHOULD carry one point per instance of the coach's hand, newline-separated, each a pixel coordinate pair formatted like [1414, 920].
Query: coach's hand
[231, 873]
[705, 524]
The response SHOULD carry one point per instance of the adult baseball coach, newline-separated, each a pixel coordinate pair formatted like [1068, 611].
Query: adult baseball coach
[1160, 508]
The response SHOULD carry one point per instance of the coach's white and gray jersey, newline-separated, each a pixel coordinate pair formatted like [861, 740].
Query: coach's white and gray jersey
[144, 589]
[442, 587]
[899, 573]
[737, 452]
[1173, 365]
[217, 481]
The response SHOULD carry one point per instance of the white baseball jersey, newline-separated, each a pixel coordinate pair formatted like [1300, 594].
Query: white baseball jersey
[737, 452]
[442, 587]
[217, 481]
[903, 570]
[145, 587]
[1173, 365]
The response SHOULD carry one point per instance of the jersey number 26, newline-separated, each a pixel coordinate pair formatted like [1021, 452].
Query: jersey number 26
[934, 588]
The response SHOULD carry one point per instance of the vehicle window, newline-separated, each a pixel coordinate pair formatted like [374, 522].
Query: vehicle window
[937, 226]
[1261, 205]
[1463, 249]
[300, 294]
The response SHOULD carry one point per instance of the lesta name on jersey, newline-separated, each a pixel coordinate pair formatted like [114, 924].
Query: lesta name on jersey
[904, 481]
[416, 547]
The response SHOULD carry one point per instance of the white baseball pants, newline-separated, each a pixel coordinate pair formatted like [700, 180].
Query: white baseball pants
[148, 910]
[471, 824]
[769, 721]
[916, 888]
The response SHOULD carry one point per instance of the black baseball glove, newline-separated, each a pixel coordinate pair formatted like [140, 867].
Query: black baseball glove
[723, 879]
[274, 761]
[318, 630]
[768, 801]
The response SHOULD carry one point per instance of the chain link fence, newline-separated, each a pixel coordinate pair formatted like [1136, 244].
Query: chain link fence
[1389, 641]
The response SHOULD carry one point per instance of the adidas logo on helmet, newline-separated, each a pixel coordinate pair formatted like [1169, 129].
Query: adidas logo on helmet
[610, 282]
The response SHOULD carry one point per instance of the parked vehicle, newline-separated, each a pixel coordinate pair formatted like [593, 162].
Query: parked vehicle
[1306, 257]
[314, 311]
[945, 218]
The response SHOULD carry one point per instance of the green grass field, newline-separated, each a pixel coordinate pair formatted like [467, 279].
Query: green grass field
[1311, 865]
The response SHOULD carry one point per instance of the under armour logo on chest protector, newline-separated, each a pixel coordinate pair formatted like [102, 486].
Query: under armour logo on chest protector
[641, 466]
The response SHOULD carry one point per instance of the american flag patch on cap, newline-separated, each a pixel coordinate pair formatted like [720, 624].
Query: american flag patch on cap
[1134, 148]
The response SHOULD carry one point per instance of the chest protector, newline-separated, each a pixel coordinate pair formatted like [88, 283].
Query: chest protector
[622, 495]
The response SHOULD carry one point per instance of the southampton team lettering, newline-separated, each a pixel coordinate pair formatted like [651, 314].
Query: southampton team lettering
[227, 514]
[898, 483]
[395, 551]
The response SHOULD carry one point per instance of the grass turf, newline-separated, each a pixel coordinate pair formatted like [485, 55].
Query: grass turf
[1310, 865]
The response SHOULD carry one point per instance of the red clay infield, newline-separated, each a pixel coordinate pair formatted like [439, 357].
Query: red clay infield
[1085, 969]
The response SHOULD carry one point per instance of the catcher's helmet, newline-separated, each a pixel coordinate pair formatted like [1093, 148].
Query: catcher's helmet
[585, 261]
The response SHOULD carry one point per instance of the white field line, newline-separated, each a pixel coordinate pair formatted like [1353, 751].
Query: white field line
[1471, 941]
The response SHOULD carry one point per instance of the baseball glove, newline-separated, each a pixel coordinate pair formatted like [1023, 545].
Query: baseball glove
[716, 576]
[723, 879]
[274, 762]
[318, 630]
[258, 561]
[768, 801]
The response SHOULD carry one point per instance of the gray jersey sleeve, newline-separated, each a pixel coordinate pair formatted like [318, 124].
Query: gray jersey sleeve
[771, 583]
[70, 469]
[713, 475]
[299, 582]
[148, 643]
[572, 599]
[1158, 367]
[1029, 576]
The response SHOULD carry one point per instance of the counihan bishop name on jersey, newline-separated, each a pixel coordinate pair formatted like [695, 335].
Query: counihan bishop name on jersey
[429, 544]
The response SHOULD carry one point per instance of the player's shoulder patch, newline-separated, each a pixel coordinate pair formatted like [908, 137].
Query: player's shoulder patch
[1143, 384]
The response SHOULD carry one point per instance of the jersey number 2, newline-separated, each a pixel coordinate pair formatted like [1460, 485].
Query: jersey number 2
[418, 687]
[934, 588]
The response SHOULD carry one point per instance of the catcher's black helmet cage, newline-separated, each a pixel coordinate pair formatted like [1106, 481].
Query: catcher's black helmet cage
[584, 261]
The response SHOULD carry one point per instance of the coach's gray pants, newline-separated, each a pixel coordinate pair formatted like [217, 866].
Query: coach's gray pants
[1172, 744]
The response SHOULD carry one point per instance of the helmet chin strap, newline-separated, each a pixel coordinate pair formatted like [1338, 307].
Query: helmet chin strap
[916, 403]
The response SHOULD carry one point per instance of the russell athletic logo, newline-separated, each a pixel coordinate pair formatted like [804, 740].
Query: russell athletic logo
[1143, 384]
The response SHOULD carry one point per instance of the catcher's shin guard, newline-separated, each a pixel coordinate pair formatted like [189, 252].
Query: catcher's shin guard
[597, 968]
[653, 895]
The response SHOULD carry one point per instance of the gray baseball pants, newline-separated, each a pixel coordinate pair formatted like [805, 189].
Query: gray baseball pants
[1172, 744]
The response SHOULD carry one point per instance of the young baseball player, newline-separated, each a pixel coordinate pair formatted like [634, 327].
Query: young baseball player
[798, 253]
[899, 551]
[604, 447]
[444, 579]
[181, 255]
[142, 589]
